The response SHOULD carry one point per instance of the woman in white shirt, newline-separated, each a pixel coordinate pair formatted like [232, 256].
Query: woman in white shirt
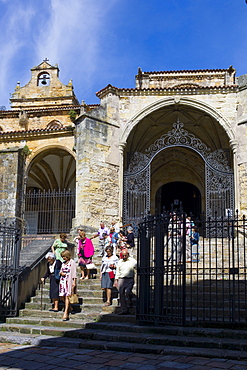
[107, 273]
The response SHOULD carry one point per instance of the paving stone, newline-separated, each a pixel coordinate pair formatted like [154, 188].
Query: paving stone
[152, 361]
[200, 367]
[130, 365]
[78, 357]
[115, 363]
[135, 359]
[87, 367]
[48, 367]
[176, 365]
[220, 364]
[97, 360]
[6, 360]
[198, 360]
[28, 365]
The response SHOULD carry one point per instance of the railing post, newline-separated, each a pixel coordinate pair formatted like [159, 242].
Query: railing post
[143, 306]
[159, 268]
[184, 269]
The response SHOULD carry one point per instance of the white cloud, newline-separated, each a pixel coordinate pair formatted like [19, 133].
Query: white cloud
[66, 32]
[15, 20]
[72, 33]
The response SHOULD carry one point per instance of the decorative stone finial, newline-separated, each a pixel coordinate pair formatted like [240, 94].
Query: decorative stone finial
[70, 83]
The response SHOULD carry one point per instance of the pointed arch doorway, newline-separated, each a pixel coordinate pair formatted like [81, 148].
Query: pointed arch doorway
[176, 194]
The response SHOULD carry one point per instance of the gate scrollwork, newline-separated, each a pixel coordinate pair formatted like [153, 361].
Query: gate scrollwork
[218, 175]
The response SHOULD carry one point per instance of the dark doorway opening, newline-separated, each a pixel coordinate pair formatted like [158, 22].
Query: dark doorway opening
[177, 193]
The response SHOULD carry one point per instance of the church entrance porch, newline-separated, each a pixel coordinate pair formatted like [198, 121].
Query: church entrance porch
[191, 152]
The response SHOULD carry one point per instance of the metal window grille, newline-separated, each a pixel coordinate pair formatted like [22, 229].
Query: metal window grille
[49, 212]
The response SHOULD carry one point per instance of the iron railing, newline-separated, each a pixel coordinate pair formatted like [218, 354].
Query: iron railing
[205, 284]
[9, 267]
[49, 212]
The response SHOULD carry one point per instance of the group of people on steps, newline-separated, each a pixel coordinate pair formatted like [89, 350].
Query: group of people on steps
[117, 268]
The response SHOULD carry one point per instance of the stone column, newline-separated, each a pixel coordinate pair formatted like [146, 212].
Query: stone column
[121, 172]
[234, 147]
[11, 182]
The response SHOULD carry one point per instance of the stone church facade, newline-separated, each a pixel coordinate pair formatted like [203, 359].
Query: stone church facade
[177, 137]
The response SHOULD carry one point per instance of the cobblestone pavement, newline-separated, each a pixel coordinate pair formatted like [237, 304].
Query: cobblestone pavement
[16, 357]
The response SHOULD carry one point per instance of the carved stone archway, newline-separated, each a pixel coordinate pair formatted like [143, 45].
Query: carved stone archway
[219, 175]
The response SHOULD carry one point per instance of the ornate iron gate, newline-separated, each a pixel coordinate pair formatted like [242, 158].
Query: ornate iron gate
[9, 267]
[49, 212]
[218, 176]
[210, 289]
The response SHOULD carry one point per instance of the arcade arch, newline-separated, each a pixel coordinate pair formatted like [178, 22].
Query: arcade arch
[50, 192]
[51, 169]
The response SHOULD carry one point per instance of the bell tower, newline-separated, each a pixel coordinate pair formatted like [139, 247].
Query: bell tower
[43, 90]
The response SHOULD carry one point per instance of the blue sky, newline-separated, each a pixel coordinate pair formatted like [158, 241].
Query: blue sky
[97, 42]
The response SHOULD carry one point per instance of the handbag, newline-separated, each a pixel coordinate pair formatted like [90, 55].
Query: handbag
[111, 274]
[73, 299]
[91, 266]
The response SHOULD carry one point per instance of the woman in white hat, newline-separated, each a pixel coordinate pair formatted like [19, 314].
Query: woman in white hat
[53, 273]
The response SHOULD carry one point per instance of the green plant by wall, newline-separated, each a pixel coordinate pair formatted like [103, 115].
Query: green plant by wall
[72, 115]
[26, 151]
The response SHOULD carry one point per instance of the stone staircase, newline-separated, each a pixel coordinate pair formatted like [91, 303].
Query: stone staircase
[94, 326]
[36, 319]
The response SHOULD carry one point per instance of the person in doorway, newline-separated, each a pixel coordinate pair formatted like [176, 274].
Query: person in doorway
[189, 224]
[107, 273]
[53, 273]
[194, 239]
[85, 253]
[130, 238]
[175, 238]
[124, 281]
[59, 246]
[67, 284]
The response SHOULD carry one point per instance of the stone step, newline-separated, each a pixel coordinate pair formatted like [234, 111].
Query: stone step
[82, 293]
[202, 342]
[82, 300]
[170, 330]
[46, 329]
[66, 342]
[202, 303]
[29, 324]
[84, 303]
[85, 310]
[158, 339]
[163, 349]
[76, 321]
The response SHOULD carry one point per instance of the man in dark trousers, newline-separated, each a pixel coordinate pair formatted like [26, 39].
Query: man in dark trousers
[124, 281]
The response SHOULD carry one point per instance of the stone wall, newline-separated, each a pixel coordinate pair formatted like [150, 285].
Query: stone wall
[97, 173]
[11, 182]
